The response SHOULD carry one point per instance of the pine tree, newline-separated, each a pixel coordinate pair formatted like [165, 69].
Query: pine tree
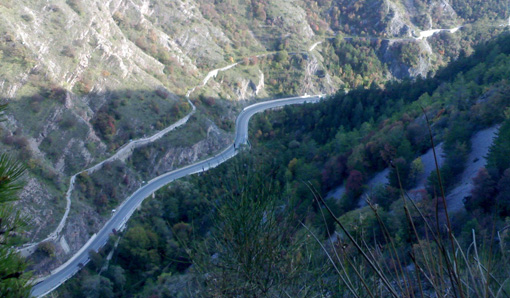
[14, 279]
[499, 152]
[255, 249]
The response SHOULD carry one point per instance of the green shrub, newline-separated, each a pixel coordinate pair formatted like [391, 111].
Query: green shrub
[27, 17]
[75, 5]
[46, 248]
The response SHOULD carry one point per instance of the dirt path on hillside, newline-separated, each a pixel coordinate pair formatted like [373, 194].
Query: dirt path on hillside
[480, 143]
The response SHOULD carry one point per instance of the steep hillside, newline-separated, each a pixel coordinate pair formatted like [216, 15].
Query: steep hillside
[255, 226]
[85, 78]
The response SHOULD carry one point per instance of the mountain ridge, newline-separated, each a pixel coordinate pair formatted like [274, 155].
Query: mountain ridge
[84, 78]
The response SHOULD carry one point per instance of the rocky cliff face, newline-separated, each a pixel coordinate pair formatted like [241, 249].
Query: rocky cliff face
[85, 77]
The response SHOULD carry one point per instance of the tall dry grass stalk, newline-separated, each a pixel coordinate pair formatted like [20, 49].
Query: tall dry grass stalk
[434, 264]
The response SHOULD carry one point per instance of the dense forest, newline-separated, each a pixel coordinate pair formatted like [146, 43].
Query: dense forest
[257, 225]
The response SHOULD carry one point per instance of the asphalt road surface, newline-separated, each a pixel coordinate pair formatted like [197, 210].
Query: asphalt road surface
[124, 212]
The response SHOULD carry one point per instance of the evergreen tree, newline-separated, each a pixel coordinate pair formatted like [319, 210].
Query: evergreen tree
[14, 279]
[258, 250]
[499, 152]
[503, 198]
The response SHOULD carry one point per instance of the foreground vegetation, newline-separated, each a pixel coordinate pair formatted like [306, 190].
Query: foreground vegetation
[257, 226]
[14, 279]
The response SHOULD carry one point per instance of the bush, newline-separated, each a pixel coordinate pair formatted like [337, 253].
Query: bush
[75, 5]
[46, 248]
[20, 142]
[83, 87]
[118, 17]
[68, 52]
[35, 106]
[27, 17]
[57, 93]
[105, 124]
[281, 56]
[499, 152]
[162, 92]
[68, 122]
[483, 193]
[354, 185]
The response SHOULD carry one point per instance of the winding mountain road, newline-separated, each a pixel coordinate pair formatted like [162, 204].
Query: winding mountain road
[122, 152]
[29, 248]
[124, 212]
[428, 33]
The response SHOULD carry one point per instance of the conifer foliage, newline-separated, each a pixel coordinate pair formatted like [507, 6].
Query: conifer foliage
[14, 279]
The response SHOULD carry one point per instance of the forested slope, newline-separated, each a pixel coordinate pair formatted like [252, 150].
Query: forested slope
[83, 78]
[254, 227]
